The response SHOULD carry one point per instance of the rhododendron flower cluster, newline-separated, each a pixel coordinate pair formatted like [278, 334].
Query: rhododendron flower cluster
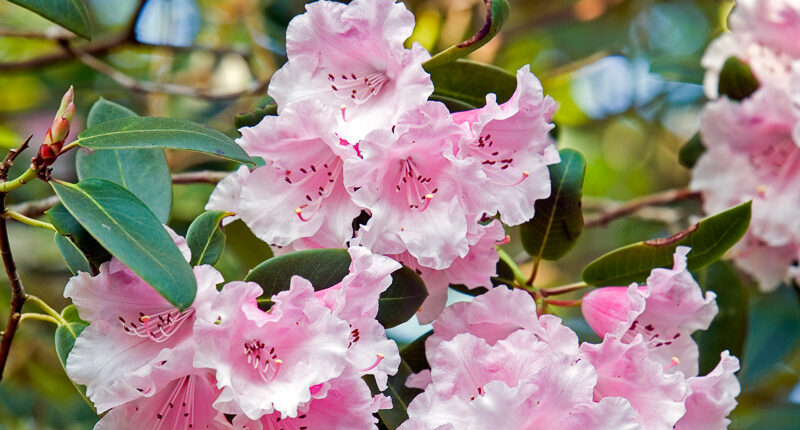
[753, 146]
[355, 133]
[496, 351]
[300, 363]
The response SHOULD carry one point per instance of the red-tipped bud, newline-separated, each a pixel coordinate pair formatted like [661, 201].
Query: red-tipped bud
[58, 132]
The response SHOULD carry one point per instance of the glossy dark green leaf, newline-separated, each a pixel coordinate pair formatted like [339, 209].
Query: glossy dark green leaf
[129, 230]
[453, 105]
[400, 394]
[402, 299]
[251, 250]
[149, 132]
[736, 80]
[68, 226]
[558, 220]
[70, 14]
[728, 331]
[76, 261]
[709, 239]
[771, 417]
[142, 171]
[249, 119]
[496, 14]
[464, 84]
[505, 276]
[206, 238]
[691, 151]
[413, 354]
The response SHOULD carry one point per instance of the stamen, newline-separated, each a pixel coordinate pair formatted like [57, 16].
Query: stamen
[375, 364]
[343, 108]
[299, 212]
[674, 362]
[157, 327]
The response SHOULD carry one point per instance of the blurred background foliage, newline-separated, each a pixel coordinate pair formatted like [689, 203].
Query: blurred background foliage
[625, 72]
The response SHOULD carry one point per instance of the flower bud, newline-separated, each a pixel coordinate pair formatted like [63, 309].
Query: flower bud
[58, 132]
[605, 308]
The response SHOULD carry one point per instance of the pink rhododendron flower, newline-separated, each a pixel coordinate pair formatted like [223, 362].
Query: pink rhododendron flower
[664, 313]
[347, 405]
[512, 144]
[299, 193]
[355, 300]
[751, 155]
[352, 59]
[713, 397]
[182, 400]
[132, 328]
[413, 186]
[268, 362]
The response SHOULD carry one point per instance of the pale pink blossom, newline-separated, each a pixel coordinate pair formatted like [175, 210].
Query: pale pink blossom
[352, 59]
[664, 313]
[713, 397]
[626, 369]
[774, 23]
[414, 188]
[132, 328]
[355, 300]
[511, 143]
[298, 194]
[268, 362]
[346, 405]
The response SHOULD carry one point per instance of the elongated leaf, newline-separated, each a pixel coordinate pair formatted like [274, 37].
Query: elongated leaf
[400, 394]
[206, 238]
[142, 171]
[771, 417]
[70, 314]
[691, 151]
[496, 15]
[558, 221]
[728, 331]
[736, 80]
[249, 119]
[76, 261]
[709, 239]
[70, 14]
[129, 230]
[251, 250]
[327, 267]
[67, 225]
[414, 354]
[402, 299]
[505, 276]
[464, 84]
[149, 132]
[65, 337]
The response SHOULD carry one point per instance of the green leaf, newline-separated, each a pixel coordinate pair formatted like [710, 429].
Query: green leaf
[505, 276]
[70, 14]
[709, 239]
[402, 299]
[142, 171]
[400, 394]
[736, 80]
[206, 238]
[76, 261]
[728, 331]
[773, 416]
[65, 337]
[496, 14]
[129, 230]
[327, 267]
[464, 84]
[67, 225]
[251, 250]
[150, 132]
[70, 314]
[691, 151]
[558, 220]
[249, 119]
[413, 354]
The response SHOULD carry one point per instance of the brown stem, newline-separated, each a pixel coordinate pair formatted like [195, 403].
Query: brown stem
[657, 199]
[17, 290]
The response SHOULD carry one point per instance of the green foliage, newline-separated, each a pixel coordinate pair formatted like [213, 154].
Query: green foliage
[728, 331]
[691, 151]
[414, 354]
[253, 117]
[558, 220]
[400, 394]
[76, 261]
[736, 80]
[66, 225]
[150, 132]
[206, 238]
[496, 15]
[70, 14]
[327, 267]
[463, 84]
[129, 230]
[709, 239]
[142, 171]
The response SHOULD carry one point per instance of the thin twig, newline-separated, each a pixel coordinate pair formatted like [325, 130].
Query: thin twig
[657, 199]
[17, 290]
[34, 208]
[202, 176]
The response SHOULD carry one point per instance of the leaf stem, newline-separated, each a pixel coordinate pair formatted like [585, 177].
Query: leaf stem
[563, 289]
[563, 303]
[518, 275]
[40, 317]
[21, 180]
[45, 307]
[30, 221]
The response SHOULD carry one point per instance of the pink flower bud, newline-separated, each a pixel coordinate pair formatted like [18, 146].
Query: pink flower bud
[58, 131]
[66, 102]
[605, 308]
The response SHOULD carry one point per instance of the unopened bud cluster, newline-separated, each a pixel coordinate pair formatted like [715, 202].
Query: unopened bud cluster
[56, 134]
